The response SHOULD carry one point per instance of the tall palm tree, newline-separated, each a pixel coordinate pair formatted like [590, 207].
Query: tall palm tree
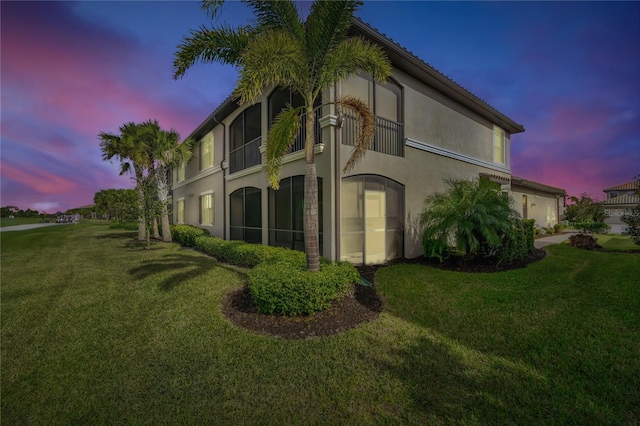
[166, 152]
[130, 149]
[310, 56]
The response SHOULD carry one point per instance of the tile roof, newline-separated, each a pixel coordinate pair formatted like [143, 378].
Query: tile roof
[623, 199]
[624, 186]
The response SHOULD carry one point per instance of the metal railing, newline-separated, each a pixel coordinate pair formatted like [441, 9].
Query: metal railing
[298, 144]
[388, 137]
[246, 156]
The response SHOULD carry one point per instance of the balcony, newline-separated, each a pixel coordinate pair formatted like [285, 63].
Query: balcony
[388, 137]
[298, 144]
[246, 156]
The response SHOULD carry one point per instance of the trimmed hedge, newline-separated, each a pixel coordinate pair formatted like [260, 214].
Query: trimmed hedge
[186, 235]
[279, 282]
[528, 226]
[247, 255]
[518, 244]
[287, 289]
[592, 227]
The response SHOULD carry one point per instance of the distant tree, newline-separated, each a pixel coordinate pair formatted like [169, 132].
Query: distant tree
[585, 209]
[471, 216]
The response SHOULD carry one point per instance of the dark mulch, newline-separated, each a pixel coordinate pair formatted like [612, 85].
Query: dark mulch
[345, 313]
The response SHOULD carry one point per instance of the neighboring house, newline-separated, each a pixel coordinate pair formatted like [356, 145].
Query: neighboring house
[618, 199]
[544, 203]
[428, 129]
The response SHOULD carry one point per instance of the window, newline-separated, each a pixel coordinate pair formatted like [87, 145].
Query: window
[385, 101]
[613, 194]
[245, 139]
[182, 171]
[180, 211]
[286, 214]
[498, 145]
[206, 151]
[246, 215]
[206, 209]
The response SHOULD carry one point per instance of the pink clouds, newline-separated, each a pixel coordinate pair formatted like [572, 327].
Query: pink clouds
[39, 180]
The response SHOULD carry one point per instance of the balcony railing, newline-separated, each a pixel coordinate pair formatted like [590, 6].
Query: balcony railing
[246, 156]
[298, 144]
[388, 137]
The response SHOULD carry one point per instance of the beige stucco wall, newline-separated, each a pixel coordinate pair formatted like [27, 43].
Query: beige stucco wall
[541, 206]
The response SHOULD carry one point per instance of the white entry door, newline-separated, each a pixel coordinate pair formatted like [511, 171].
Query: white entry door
[375, 227]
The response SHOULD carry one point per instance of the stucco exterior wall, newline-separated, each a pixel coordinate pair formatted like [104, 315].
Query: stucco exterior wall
[541, 206]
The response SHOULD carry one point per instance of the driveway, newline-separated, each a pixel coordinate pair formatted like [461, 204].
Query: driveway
[553, 239]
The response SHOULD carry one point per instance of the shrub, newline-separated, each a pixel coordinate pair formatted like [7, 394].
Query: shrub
[247, 255]
[583, 241]
[473, 215]
[592, 227]
[528, 226]
[558, 227]
[549, 230]
[186, 235]
[288, 289]
[632, 219]
[516, 245]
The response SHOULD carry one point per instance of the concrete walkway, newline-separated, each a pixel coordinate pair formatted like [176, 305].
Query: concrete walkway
[30, 226]
[552, 239]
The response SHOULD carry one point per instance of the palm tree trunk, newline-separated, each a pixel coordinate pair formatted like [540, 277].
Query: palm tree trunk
[140, 194]
[156, 232]
[166, 229]
[311, 239]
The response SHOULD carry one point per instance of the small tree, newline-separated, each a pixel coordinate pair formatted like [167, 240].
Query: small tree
[631, 216]
[585, 209]
[472, 216]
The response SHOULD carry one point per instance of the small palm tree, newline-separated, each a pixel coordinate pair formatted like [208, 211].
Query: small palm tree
[166, 152]
[470, 216]
[130, 149]
[279, 49]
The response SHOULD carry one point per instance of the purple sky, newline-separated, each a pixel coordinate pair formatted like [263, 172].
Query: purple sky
[569, 72]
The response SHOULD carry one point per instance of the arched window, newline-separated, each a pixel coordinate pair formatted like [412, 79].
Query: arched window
[372, 219]
[245, 135]
[385, 101]
[286, 214]
[279, 99]
[246, 215]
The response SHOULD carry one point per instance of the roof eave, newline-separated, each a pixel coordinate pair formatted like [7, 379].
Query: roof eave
[414, 66]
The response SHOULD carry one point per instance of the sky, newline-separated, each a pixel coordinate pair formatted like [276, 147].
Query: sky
[569, 72]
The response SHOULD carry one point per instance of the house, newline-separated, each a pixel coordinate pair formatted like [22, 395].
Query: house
[428, 128]
[618, 199]
[537, 201]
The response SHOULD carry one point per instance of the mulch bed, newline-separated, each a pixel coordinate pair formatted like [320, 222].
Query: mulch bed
[345, 313]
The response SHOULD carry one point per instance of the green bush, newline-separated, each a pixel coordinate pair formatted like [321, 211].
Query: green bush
[528, 226]
[247, 255]
[129, 226]
[186, 235]
[558, 227]
[288, 289]
[592, 227]
[517, 244]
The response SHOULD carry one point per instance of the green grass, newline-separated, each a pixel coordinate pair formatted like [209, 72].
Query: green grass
[615, 242]
[96, 329]
[5, 221]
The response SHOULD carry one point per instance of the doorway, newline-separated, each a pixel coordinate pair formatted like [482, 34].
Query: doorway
[375, 227]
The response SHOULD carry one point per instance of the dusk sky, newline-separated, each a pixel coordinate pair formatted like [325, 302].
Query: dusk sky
[569, 72]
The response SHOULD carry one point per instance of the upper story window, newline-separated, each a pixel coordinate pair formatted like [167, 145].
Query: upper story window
[499, 155]
[206, 151]
[182, 171]
[279, 99]
[613, 194]
[245, 135]
[385, 101]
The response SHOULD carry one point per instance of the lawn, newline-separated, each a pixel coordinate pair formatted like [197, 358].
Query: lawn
[96, 329]
[615, 242]
[5, 221]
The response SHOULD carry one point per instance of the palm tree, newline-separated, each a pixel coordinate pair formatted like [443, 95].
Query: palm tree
[471, 215]
[130, 149]
[280, 49]
[167, 152]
